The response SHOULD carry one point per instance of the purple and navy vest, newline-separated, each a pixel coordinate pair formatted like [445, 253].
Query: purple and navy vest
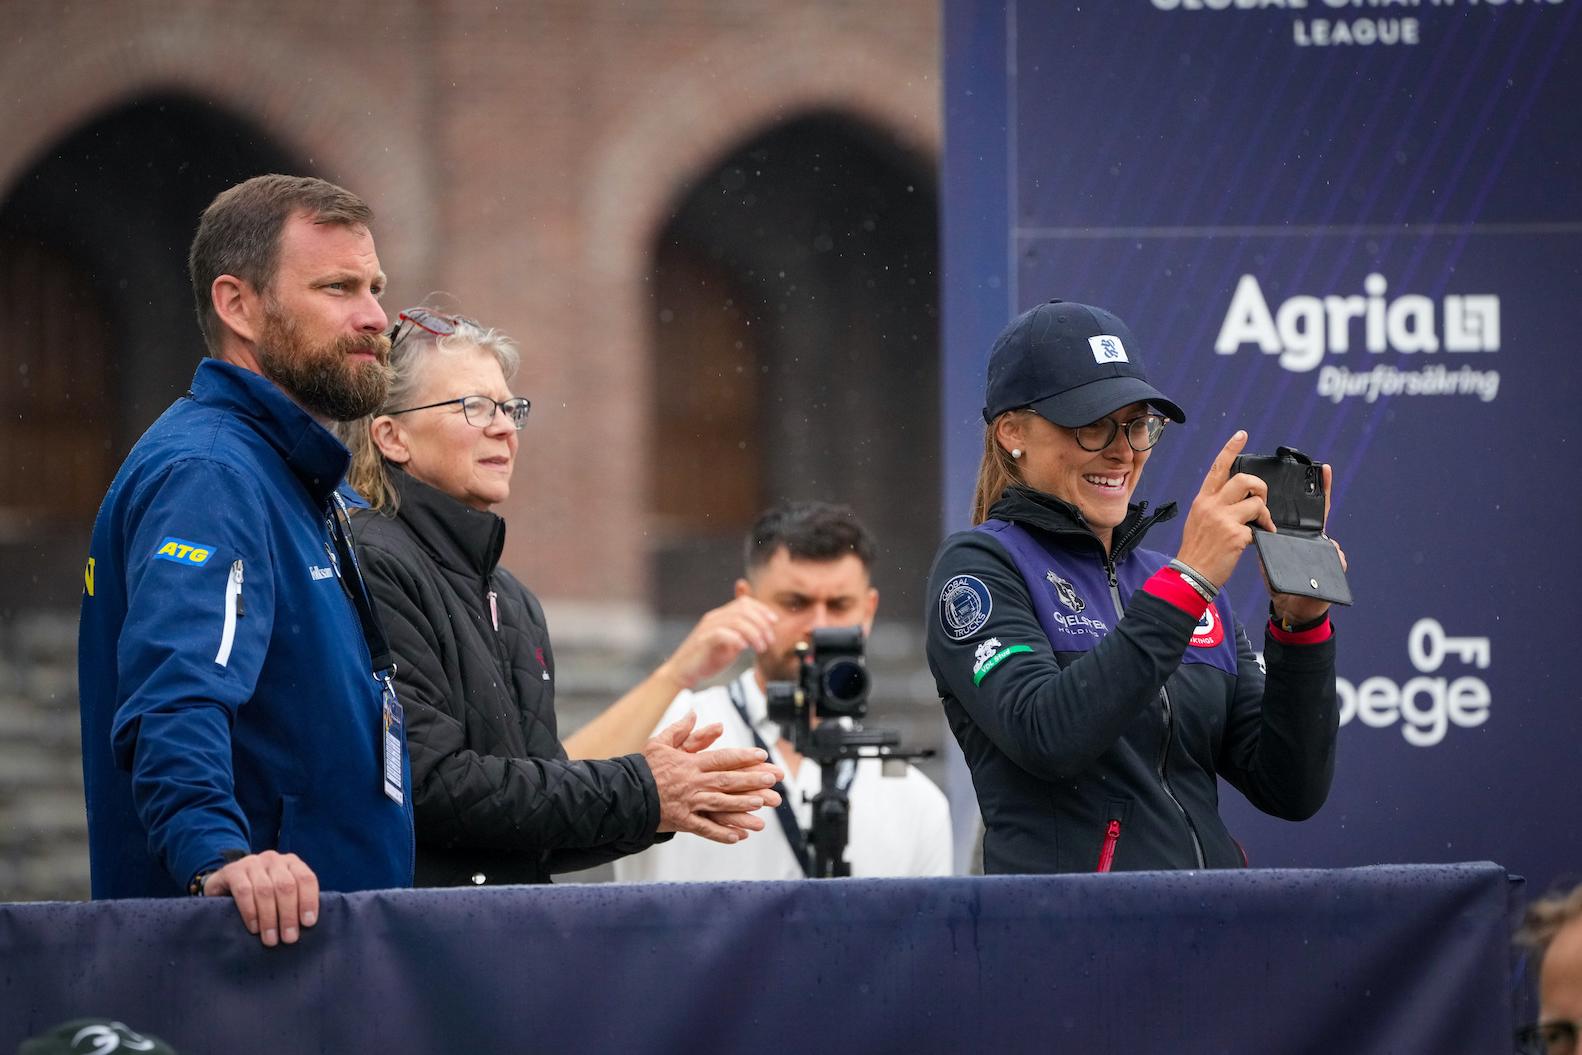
[1071, 595]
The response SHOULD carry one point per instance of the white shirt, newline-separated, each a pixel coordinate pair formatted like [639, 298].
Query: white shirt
[899, 826]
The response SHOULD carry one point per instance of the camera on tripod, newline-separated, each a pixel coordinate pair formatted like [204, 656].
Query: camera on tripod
[832, 682]
[832, 685]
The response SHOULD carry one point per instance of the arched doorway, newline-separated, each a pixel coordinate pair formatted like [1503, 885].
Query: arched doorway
[795, 333]
[99, 333]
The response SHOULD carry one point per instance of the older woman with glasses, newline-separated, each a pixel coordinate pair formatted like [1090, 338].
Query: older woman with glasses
[496, 797]
[1098, 689]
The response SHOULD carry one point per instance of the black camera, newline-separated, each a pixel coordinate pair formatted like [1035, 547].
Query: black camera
[832, 680]
[1298, 558]
[1296, 487]
[832, 685]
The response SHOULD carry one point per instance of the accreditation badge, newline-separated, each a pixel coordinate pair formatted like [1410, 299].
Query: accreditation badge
[394, 740]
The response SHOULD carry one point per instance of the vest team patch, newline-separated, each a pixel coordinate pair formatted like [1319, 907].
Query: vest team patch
[1066, 592]
[964, 606]
[991, 654]
[1210, 630]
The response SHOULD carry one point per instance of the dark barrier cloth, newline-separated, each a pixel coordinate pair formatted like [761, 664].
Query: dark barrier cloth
[1386, 959]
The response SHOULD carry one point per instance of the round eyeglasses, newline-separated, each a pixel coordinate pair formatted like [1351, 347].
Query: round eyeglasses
[1548, 1038]
[440, 325]
[480, 410]
[1141, 432]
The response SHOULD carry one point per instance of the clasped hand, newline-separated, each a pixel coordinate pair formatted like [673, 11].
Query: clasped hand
[709, 793]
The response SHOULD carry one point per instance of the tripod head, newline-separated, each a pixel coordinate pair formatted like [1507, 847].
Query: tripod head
[821, 714]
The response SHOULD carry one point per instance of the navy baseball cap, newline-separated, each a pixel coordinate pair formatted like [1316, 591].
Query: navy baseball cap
[1071, 364]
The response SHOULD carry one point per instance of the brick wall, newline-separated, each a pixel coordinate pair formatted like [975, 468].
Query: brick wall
[522, 156]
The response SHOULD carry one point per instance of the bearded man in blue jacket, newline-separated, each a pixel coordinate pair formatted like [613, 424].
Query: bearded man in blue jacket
[236, 741]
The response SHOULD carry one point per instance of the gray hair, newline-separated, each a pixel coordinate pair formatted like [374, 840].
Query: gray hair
[411, 358]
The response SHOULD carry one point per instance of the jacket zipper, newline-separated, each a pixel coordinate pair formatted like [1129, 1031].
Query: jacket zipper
[1169, 720]
[234, 610]
[494, 610]
[1164, 780]
[1112, 835]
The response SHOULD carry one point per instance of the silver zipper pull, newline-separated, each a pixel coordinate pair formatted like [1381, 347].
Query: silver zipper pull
[494, 610]
[236, 577]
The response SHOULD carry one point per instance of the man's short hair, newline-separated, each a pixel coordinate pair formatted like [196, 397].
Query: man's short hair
[817, 531]
[1547, 917]
[240, 234]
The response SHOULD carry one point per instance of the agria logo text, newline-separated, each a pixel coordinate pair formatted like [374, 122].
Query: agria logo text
[1306, 331]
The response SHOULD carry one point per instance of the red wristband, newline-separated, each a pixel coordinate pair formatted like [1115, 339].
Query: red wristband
[1312, 636]
[1167, 584]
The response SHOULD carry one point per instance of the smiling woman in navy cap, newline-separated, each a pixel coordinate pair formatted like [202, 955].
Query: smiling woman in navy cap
[1097, 688]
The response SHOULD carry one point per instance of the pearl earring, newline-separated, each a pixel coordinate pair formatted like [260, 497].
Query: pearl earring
[1016, 452]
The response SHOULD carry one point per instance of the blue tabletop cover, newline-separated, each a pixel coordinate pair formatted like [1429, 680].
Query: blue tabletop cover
[1382, 959]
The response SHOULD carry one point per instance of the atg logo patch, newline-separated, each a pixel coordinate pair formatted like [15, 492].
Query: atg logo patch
[964, 606]
[181, 551]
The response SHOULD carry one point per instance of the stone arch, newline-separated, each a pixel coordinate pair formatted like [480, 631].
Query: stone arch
[684, 126]
[101, 335]
[350, 134]
[662, 152]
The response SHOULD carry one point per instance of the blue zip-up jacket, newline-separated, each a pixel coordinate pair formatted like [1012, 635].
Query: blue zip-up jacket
[228, 703]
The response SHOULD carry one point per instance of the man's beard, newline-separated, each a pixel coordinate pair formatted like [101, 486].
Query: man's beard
[323, 379]
[780, 666]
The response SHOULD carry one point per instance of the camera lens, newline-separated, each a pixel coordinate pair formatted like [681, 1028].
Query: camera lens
[845, 685]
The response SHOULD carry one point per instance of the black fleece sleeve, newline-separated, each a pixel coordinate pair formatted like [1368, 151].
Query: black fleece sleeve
[593, 810]
[1279, 745]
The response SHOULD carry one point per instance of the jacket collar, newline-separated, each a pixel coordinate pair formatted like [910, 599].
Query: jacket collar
[312, 453]
[459, 536]
[1024, 505]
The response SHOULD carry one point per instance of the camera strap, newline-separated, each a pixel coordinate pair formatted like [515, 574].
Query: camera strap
[785, 811]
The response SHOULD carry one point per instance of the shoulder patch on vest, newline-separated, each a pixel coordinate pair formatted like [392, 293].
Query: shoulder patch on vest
[964, 606]
[1210, 630]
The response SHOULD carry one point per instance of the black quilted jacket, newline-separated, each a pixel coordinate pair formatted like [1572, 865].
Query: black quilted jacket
[497, 800]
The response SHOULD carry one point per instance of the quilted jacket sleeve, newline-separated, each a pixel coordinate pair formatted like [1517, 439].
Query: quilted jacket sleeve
[571, 814]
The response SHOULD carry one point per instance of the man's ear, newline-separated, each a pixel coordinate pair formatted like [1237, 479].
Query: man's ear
[238, 307]
[387, 436]
[744, 588]
[870, 607]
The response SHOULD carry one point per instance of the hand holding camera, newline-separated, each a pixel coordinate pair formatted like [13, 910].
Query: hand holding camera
[1217, 528]
[1280, 502]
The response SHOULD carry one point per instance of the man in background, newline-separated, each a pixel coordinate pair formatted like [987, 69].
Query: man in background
[1553, 930]
[810, 563]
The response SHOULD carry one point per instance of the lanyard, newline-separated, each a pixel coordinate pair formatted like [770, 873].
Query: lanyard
[785, 811]
[340, 525]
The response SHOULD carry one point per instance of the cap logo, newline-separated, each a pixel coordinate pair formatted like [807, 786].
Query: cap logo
[1107, 349]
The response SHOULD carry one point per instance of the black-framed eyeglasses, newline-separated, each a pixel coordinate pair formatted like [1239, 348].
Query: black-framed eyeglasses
[1548, 1038]
[480, 410]
[437, 323]
[1141, 432]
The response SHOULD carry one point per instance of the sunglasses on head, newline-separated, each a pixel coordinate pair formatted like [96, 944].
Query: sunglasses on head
[440, 325]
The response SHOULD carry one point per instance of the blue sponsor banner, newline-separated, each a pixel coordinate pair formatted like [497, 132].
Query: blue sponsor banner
[1355, 229]
[1371, 960]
